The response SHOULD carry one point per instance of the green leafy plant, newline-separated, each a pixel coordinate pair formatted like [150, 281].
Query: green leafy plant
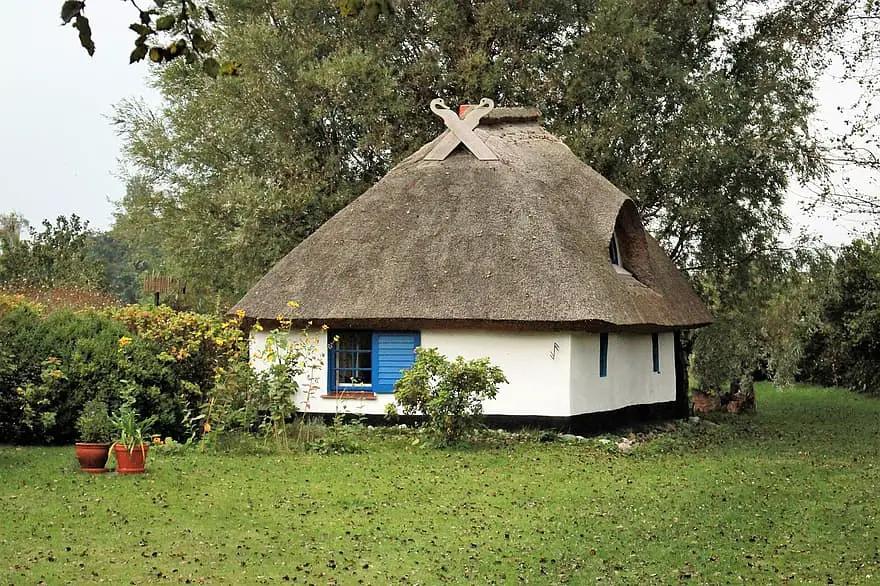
[39, 402]
[288, 362]
[450, 394]
[340, 438]
[261, 396]
[129, 429]
[94, 424]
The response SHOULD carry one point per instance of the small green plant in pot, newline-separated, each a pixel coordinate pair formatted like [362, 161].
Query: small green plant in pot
[131, 440]
[95, 430]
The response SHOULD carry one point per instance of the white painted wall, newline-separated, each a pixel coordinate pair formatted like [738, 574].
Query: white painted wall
[550, 373]
[538, 382]
[631, 379]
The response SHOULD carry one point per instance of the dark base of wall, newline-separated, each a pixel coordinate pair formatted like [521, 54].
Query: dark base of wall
[590, 423]
[584, 424]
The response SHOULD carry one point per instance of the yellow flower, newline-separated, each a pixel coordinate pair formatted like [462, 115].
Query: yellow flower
[240, 313]
[124, 341]
[258, 327]
[292, 304]
[325, 327]
[207, 427]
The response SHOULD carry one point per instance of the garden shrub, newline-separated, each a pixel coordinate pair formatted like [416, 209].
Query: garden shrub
[20, 364]
[10, 301]
[51, 366]
[52, 363]
[190, 371]
[449, 394]
[198, 347]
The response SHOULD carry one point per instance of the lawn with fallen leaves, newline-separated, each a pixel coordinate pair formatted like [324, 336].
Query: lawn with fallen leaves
[789, 494]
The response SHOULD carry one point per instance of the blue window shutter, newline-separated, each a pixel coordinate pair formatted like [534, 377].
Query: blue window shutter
[603, 354]
[655, 351]
[393, 352]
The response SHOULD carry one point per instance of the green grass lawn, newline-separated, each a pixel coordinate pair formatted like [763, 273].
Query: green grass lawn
[787, 495]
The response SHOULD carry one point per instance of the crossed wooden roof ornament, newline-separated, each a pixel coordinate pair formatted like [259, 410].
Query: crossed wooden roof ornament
[461, 130]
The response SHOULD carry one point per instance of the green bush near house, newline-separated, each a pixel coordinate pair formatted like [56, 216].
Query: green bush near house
[53, 362]
[449, 393]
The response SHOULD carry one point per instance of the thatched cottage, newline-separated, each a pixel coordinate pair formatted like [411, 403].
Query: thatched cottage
[507, 246]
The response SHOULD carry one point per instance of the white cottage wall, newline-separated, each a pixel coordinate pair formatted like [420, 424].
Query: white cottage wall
[537, 364]
[631, 379]
[312, 384]
[553, 374]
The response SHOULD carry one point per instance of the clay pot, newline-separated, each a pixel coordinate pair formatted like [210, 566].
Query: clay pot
[92, 457]
[130, 462]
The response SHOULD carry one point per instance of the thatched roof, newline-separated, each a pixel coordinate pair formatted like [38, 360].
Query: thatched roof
[518, 242]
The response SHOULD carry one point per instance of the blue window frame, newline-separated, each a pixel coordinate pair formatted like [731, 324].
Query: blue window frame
[655, 351]
[603, 354]
[367, 361]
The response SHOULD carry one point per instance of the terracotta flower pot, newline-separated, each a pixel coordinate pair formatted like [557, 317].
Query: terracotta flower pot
[92, 457]
[130, 462]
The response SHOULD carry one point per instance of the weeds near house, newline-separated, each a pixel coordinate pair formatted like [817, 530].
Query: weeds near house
[264, 399]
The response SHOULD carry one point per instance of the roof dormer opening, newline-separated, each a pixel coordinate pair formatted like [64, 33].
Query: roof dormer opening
[627, 246]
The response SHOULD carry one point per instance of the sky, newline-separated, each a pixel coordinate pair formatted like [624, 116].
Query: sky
[59, 153]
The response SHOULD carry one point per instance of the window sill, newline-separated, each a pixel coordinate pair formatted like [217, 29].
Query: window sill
[360, 395]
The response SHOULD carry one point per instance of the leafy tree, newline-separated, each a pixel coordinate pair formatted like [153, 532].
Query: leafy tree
[56, 255]
[169, 29]
[856, 49]
[698, 113]
[845, 350]
[11, 225]
[122, 275]
[766, 311]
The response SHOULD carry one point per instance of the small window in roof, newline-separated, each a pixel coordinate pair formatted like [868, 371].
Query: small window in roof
[614, 255]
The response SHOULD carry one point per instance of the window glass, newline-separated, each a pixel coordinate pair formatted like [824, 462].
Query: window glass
[361, 360]
[352, 359]
[613, 252]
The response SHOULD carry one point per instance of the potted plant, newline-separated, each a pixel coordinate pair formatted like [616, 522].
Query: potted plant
[131, 445]
[95, 428]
